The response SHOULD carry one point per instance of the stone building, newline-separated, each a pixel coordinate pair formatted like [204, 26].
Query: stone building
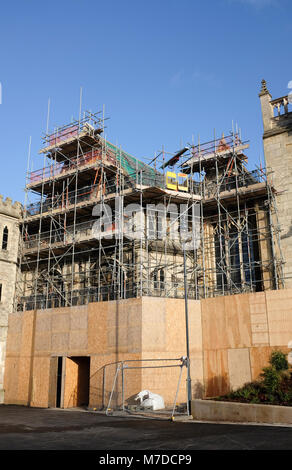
[9, 244]
[87, 301]
[277, 140]
[204, 192]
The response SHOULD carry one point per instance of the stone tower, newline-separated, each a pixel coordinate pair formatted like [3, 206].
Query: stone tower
[9, 248]
[277, 139]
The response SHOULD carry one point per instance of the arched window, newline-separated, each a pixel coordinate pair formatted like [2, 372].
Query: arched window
[5, 239]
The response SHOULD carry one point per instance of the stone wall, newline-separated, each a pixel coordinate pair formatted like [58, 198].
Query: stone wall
[278, 153]
[277, 140]
[9, 217]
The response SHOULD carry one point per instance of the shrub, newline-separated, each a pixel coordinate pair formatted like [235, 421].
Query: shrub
[274, 385]
[271, 381]
[278, 360]
[249, 392]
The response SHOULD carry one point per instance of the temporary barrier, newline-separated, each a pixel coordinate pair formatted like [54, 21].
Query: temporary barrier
[122, 370]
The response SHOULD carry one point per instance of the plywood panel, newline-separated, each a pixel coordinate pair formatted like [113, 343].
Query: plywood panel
[13, 344]
[259, 358]
[259, 319]
[11, 378]
[155, 325]
[43, 342]
[44, 321]
[279, 308]
[164, 335]
[15, 322]
[260, 338]
[40, 382]
[125, 334]
[238, 321]
[53, 382]
[28, 325]
[123, 326]
[24, 379]
[97, 327]
[77, 342]
[79, 318]
[133, 378]
[216, 372]
[239, 367]
[226, 322]
[97, 376]
[214, 328]
[164, 381]
[70, 385]
[152, 327]
[60, 322]
[196, 349]
[60, 343]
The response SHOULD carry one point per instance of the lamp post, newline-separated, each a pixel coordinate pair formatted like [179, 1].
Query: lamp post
[189, 381]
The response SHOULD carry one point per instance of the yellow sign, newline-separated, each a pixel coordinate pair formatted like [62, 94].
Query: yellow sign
[177, 182]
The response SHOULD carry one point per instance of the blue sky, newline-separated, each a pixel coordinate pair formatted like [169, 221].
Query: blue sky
[165, 70]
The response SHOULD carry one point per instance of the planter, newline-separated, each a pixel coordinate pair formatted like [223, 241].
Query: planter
[211, 410]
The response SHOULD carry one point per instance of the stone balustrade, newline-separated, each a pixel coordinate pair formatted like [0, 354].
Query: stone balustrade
[281, 105]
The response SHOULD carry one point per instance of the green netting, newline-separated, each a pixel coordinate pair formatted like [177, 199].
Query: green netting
[136, 169]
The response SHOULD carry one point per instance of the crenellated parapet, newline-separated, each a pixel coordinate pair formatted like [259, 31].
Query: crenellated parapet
[10, 208]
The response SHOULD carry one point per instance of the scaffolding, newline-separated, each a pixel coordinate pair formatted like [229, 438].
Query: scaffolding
[67, 260]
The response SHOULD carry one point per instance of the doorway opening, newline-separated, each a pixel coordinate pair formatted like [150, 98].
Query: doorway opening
[59, 381]
[76, 392]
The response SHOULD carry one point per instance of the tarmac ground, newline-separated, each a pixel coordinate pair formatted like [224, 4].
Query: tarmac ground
[24, 428]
